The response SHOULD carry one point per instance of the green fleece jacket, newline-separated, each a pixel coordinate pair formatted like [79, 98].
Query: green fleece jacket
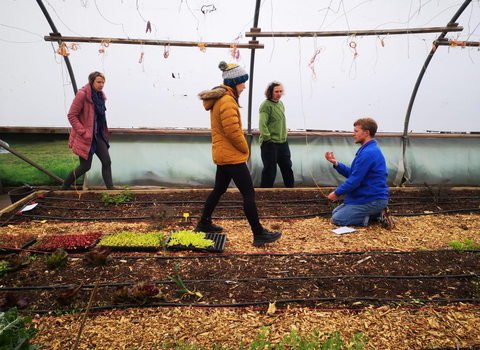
[273, 125]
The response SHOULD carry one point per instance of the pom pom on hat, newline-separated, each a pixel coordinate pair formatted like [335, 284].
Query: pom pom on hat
[223, 65]
[232, 74]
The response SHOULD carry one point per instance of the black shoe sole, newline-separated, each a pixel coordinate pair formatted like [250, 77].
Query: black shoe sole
[260, 243]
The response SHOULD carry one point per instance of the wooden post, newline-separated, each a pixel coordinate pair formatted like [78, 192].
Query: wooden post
[85, 316]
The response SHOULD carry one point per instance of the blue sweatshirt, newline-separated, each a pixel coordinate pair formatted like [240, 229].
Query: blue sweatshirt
[367, 177]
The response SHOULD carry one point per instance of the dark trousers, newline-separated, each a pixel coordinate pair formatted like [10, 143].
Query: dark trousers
[242, 179]
[86, 164]
[273, 154]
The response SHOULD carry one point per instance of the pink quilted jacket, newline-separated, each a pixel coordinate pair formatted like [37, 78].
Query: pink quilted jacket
[81, 116]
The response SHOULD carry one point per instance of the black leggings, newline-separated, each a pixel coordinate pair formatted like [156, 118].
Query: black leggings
[242, 179]
[86, 164]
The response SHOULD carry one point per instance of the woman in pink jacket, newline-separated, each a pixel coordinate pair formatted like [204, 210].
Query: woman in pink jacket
[89, 133]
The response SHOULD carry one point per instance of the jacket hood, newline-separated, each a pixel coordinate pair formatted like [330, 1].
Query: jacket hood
[210, 97]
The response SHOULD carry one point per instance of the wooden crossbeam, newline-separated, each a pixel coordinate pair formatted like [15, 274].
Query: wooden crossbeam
[257, 32]
[252, 44]
[454, 43]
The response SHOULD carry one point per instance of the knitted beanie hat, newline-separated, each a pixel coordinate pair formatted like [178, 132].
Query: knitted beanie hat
[233, 74]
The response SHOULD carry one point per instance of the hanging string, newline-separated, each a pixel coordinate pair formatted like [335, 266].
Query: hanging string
[103, 45]
[304, 119]
[117, 24]
[202, 47]
[455, 42]
[353, 45]
[142, 54]
[62, 50]
[166, 51]
[234, 51]
[381, 40]
[62, 63]
[353, 48]
[311, 65]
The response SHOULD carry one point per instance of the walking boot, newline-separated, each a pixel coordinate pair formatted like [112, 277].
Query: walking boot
[206, 225]
[264, 237]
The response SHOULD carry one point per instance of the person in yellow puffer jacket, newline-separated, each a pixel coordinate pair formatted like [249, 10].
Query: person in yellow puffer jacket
[230, 152]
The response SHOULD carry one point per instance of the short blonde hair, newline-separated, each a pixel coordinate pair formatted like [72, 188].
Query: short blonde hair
[94, 75]
[367, 124]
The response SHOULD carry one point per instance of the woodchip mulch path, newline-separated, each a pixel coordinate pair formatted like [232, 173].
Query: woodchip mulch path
[387, 328]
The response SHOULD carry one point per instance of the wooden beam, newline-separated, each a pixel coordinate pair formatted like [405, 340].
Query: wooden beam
[252, 44]
[256, 32]
[207, 132]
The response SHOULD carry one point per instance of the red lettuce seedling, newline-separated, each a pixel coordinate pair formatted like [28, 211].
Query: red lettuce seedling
[13, 300]
[69, 295]
[151, 289]
[138, 293]
[98, 256]
[18, 260]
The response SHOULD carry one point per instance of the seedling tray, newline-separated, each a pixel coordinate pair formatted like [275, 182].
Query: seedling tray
[70, 250]
[24, 246]
[218, 239]
[133, 249]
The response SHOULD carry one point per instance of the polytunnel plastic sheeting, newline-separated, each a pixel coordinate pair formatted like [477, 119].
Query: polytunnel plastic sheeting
[157, 160]
[443, 161]
[186, 160]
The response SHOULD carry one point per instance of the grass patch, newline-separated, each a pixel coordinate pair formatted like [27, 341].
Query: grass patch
[50, 151]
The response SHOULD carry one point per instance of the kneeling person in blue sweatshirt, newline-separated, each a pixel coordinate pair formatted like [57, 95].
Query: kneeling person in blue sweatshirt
[366, 187]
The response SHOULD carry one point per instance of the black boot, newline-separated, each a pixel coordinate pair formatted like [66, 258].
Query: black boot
[262, 236]
[206, 225]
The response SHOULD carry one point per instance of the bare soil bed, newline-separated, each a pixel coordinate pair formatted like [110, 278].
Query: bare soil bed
[298, 203]
[350, 281]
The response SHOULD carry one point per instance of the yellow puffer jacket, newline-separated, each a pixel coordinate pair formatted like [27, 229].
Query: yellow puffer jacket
[229, 145]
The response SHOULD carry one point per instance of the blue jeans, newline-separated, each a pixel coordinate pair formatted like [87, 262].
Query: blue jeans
[358, 214]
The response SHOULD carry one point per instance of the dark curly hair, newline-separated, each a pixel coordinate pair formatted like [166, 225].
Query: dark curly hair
[270, 87]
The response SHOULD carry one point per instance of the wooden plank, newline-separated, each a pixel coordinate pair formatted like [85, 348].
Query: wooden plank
[253, 44]
[259, 34]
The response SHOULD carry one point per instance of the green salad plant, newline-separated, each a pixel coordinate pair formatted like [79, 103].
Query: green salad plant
[14, 334]
[125, 196]
[190, 238]
[130, 239]
[57, 259]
